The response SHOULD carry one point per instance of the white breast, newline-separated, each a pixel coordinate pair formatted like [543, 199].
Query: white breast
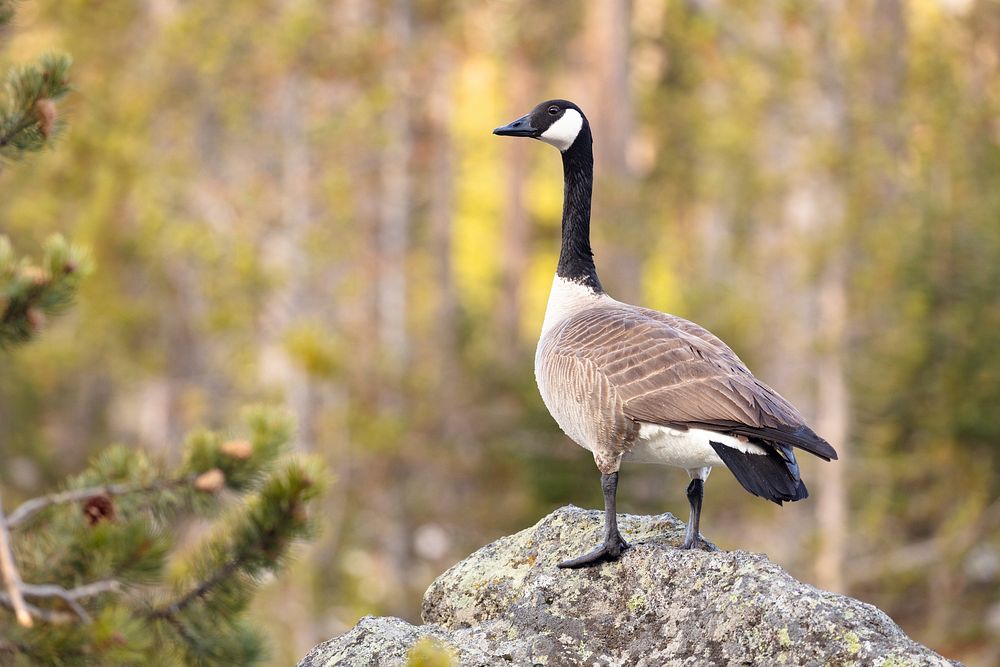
[685, 449]
[568, 297]
[565, 388]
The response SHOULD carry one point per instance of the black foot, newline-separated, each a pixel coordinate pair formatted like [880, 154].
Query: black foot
[609, 551]
[693, 542]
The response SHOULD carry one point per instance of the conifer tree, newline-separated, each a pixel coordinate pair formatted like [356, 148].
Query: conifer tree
[104, 575]
[29, 117]
[29, 120]
[100, 572]
[31, 292]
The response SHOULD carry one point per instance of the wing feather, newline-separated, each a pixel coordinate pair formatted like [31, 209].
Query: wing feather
[669, 371]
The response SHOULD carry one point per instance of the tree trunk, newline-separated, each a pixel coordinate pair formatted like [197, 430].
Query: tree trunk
[832, 422]
[285, 253]
[832, 397]
[516, 232]
[393, 239]
[442, 200]
[608, 35]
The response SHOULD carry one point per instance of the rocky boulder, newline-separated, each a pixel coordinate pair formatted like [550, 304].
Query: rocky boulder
[508, 604]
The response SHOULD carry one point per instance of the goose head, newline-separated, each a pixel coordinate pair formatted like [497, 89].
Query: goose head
[556, 122]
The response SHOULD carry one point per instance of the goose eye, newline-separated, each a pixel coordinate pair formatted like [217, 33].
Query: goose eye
[554, 110]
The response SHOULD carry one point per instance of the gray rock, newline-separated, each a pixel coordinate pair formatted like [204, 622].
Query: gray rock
[386, 641]
[508, 604]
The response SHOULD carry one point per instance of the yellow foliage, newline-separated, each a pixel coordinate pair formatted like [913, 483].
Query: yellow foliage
[429, 652]
[314, 350]
[477, 227]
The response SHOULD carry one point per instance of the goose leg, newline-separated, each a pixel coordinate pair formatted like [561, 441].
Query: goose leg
[613, 544]
[695, 494]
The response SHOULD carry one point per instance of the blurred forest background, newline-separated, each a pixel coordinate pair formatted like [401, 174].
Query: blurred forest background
[300, 202]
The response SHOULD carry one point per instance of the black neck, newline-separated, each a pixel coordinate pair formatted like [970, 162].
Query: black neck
[576, 261]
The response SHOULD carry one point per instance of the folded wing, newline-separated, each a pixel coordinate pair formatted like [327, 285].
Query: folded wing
[669, 371]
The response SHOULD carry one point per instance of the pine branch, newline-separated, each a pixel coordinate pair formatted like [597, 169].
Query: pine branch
[28, 115]
[47, 615]
[174, 608]
[17, 590]
[250, 543]
[72, 595]
[9, 647]
[122, 546]
[29, 508]
[30, 293]
[11, 576]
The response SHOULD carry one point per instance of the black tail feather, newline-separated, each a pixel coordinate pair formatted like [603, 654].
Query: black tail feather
[800, 436]
[773, 475]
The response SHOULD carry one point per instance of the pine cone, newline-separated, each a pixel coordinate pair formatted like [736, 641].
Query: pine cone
[47, 113]
[97, 509]
[36, 318]
[210, 481]
[238, 449]
[35, 274]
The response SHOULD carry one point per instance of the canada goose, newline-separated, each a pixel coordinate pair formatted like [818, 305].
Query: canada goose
[633, 384]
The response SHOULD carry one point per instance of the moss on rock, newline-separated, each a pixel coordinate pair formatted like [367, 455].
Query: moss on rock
[657, 605]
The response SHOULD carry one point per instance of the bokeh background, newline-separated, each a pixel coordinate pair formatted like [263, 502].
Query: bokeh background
[301, 202]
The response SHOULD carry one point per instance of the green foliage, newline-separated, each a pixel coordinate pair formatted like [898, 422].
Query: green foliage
[31, 292]
[28, 114]
[218, 581]
[123, 531]
[7, 8]
[240, 460]
[100, 559]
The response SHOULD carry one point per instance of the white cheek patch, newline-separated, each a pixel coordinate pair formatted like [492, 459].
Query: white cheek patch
[562, 133]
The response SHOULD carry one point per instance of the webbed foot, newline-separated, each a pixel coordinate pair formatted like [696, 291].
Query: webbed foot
[609, 551]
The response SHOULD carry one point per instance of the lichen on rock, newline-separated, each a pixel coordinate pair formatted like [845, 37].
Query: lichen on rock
[507, 603]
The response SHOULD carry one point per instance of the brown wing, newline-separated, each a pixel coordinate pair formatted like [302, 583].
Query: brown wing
[669, 371]
[692, 329]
